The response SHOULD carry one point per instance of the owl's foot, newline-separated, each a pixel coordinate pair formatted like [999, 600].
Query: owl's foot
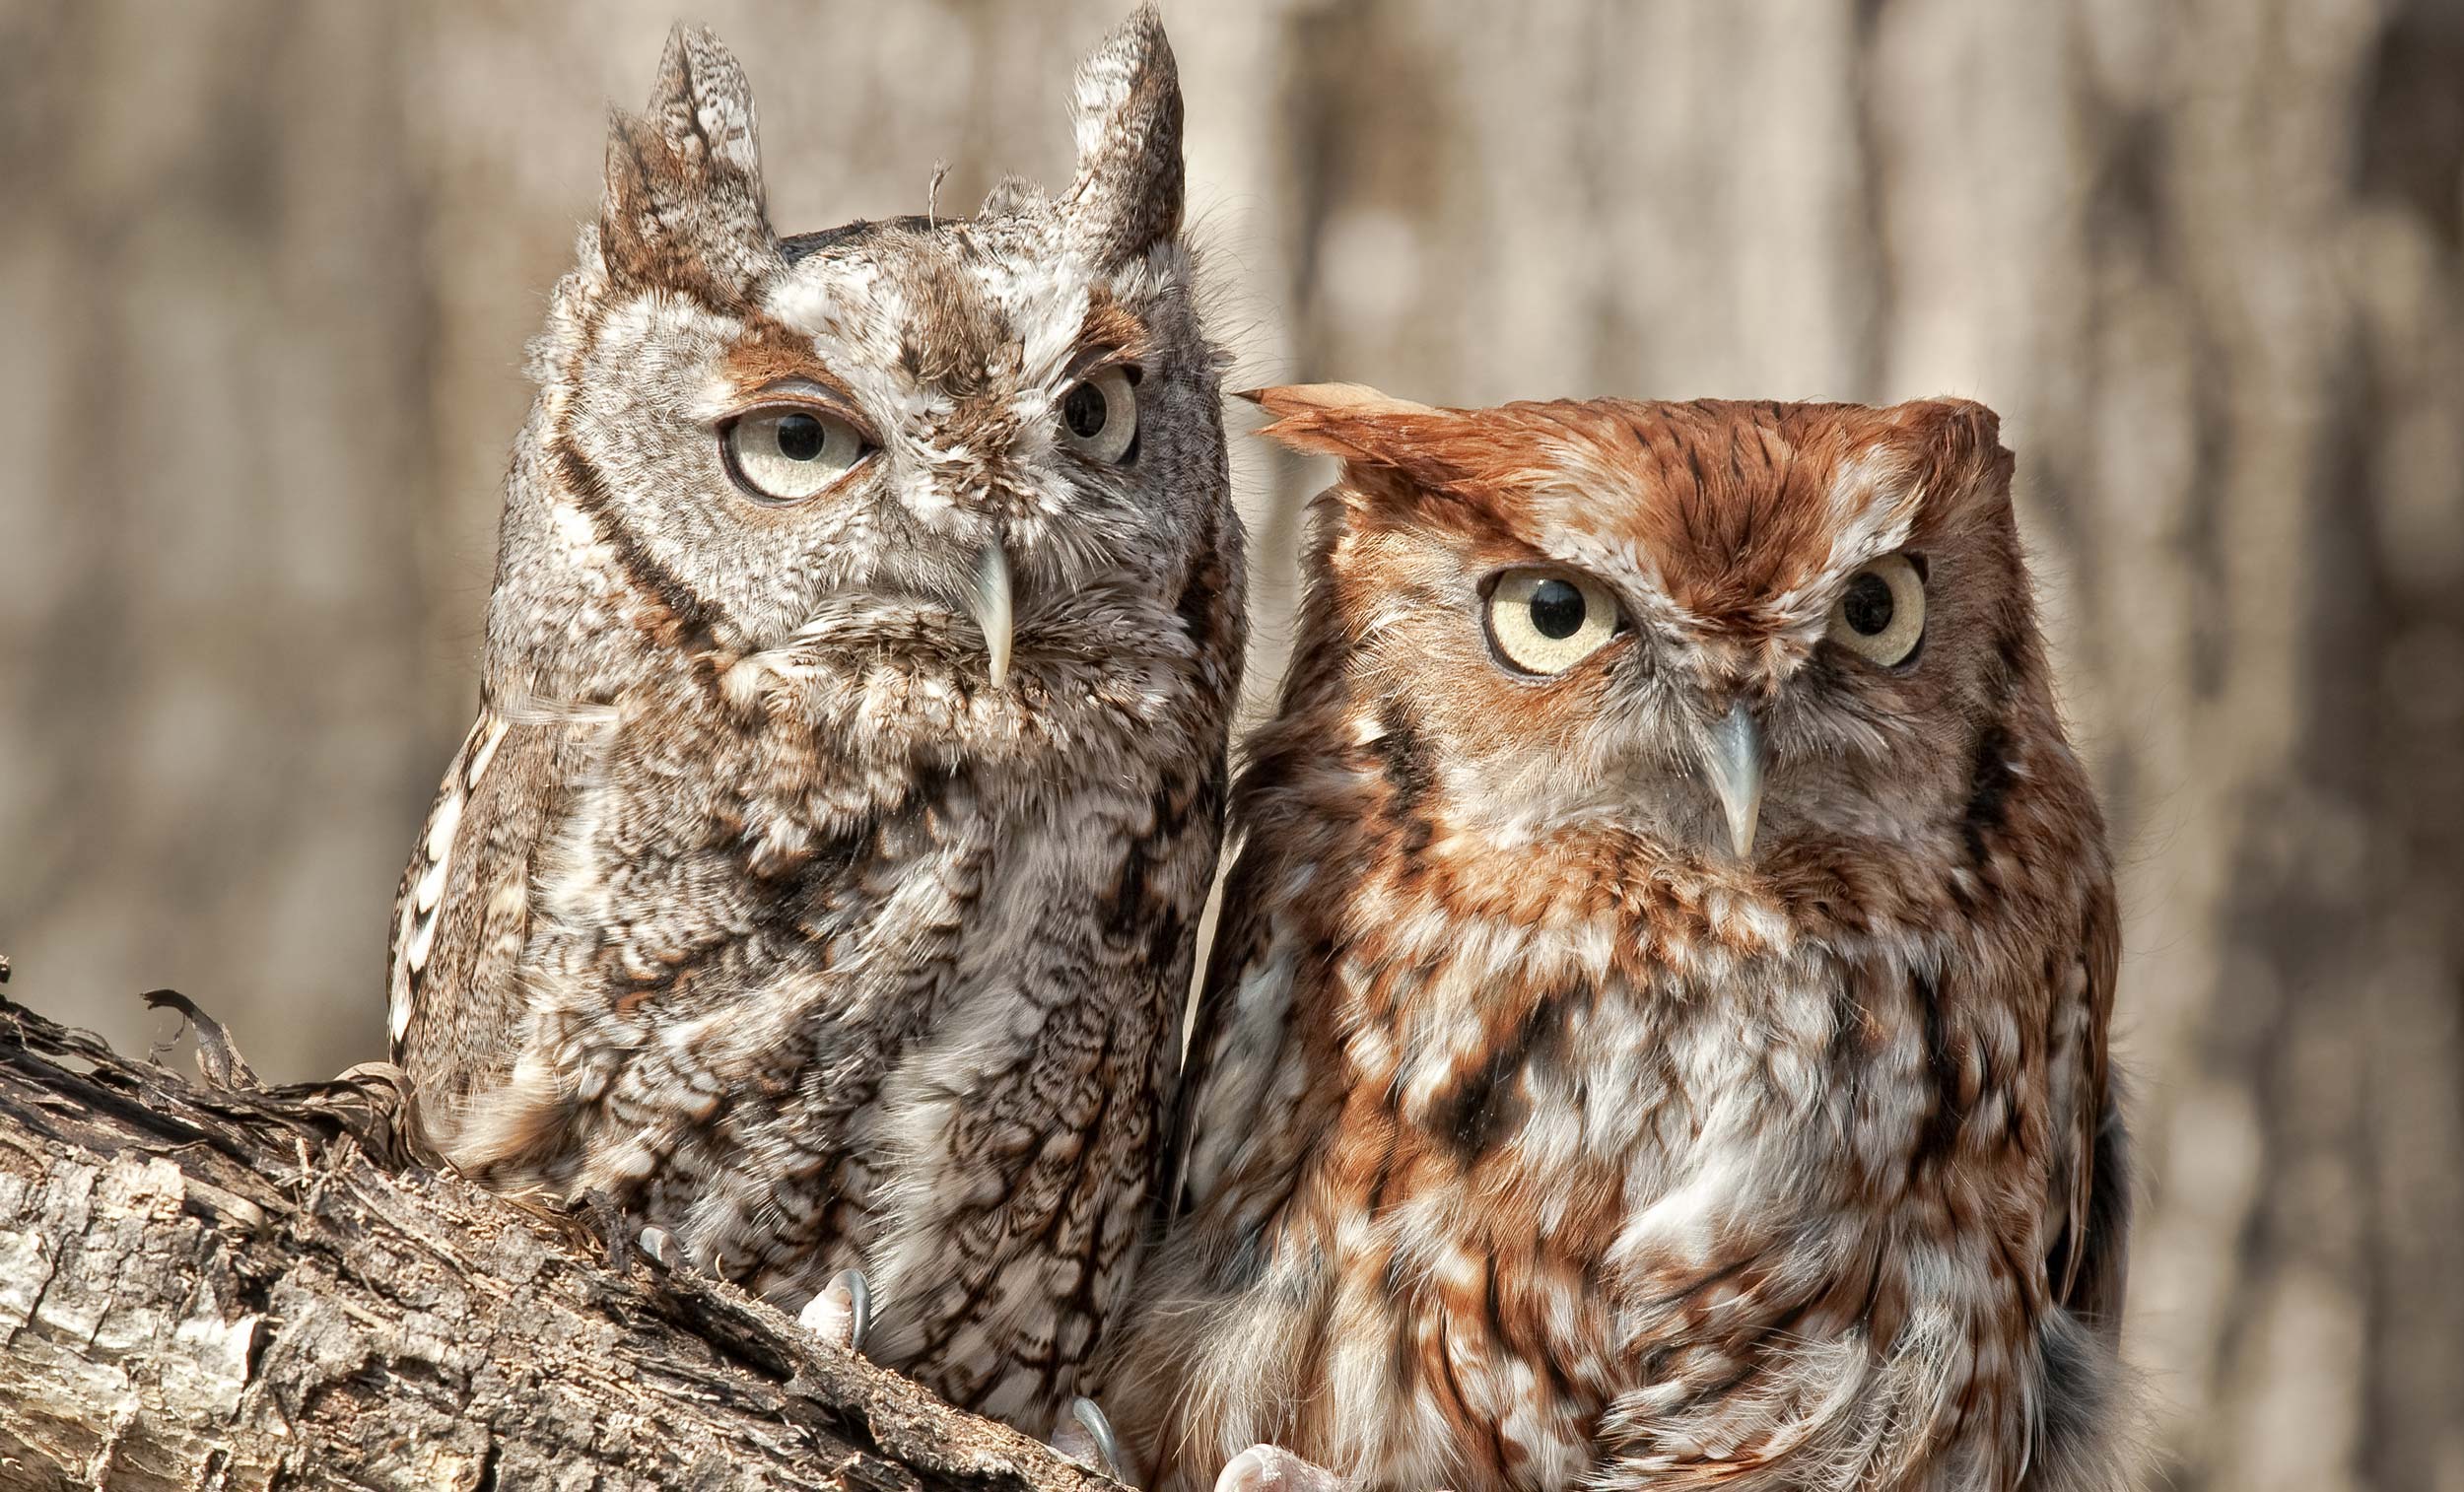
[1087, 1438]
[1271, 1468]
[661, 1248]
[841, 1311]
[604, 1218]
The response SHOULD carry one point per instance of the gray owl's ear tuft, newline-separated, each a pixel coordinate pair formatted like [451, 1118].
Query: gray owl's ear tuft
[1010, 195]
[702, 105]
[684, 179]
[1126, 113]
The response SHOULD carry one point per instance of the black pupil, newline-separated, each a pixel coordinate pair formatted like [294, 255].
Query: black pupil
[1867, 607]
[1556, 609]
[801, 438]
[1083, 411]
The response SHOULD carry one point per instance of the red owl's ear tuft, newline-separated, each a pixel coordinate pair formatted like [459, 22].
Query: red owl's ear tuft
[1349, 421]
[1958, 444]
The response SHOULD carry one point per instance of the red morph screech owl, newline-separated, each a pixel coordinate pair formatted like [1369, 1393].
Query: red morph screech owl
[821, 879]
[1657, 1034]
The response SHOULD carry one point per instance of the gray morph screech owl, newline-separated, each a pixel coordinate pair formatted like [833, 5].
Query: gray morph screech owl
[820, 878]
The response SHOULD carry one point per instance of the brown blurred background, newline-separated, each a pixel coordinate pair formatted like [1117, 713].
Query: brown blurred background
[266, 270]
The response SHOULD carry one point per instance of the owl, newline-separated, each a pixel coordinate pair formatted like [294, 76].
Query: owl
[1657, 1037]
[819, 883]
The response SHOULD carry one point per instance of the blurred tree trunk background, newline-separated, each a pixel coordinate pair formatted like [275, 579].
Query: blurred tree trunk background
[266, 269]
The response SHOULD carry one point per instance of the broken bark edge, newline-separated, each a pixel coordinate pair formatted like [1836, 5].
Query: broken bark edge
[257, 1287]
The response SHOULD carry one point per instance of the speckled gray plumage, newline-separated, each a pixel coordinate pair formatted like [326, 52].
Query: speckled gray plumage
[751, 900]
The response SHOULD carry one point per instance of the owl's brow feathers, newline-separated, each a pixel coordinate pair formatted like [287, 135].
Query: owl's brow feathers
[1743, 501]
[956, 348]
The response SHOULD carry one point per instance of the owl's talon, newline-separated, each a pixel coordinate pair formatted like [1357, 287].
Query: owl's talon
[599, 1212]
[1087, 1438]
[1271, 1468]
[841, 1311]
[659, 1245]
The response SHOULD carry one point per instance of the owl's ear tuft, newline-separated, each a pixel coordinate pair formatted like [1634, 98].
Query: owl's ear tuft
[1957, 443]
[702, 105]
[1393, 447]
[1350, 420]
[1010, 195]
[1126, 114]
[684, 179]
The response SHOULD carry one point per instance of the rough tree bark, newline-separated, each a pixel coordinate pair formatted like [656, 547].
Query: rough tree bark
[241, 1287]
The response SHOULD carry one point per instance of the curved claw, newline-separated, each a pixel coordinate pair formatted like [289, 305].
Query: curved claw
[842, 1312]
[1087, 1437]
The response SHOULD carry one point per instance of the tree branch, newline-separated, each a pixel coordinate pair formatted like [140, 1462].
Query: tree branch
[248, 1288]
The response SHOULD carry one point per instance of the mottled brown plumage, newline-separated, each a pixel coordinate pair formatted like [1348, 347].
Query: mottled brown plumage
[820, 880]
[1657, 1036]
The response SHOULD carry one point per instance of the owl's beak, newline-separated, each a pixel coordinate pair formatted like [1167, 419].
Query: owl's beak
[991, 605]
[1733, 760]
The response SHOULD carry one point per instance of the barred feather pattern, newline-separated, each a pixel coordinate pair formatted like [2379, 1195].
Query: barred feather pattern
[1535, 1135]
[771, 898]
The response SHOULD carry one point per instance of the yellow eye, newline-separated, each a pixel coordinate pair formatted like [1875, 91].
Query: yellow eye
[1546, 621]
[1099, 418]
[790, 453]
[1881, 614]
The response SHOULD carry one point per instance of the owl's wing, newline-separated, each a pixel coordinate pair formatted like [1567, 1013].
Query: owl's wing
[2087, 1260]
[1191, 1147]
[463, 911]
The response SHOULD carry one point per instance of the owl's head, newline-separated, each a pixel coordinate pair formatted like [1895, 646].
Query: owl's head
[1728, 626]
[894, 449]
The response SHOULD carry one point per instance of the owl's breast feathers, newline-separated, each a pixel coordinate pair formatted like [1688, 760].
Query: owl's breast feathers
[1595, 1159]
[807, 1005]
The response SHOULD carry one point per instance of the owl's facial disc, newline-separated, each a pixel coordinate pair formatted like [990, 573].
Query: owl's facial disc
[938, 449]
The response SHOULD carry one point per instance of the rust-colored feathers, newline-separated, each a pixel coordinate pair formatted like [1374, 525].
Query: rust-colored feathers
[1541, 1131]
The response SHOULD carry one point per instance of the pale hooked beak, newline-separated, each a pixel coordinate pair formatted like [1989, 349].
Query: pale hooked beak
[1733, 760]
[991, 605]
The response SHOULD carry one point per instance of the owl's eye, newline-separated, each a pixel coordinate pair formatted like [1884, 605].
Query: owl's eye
[1099, 418]
[1546, 621]
[787, 455]
[1881, 614]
